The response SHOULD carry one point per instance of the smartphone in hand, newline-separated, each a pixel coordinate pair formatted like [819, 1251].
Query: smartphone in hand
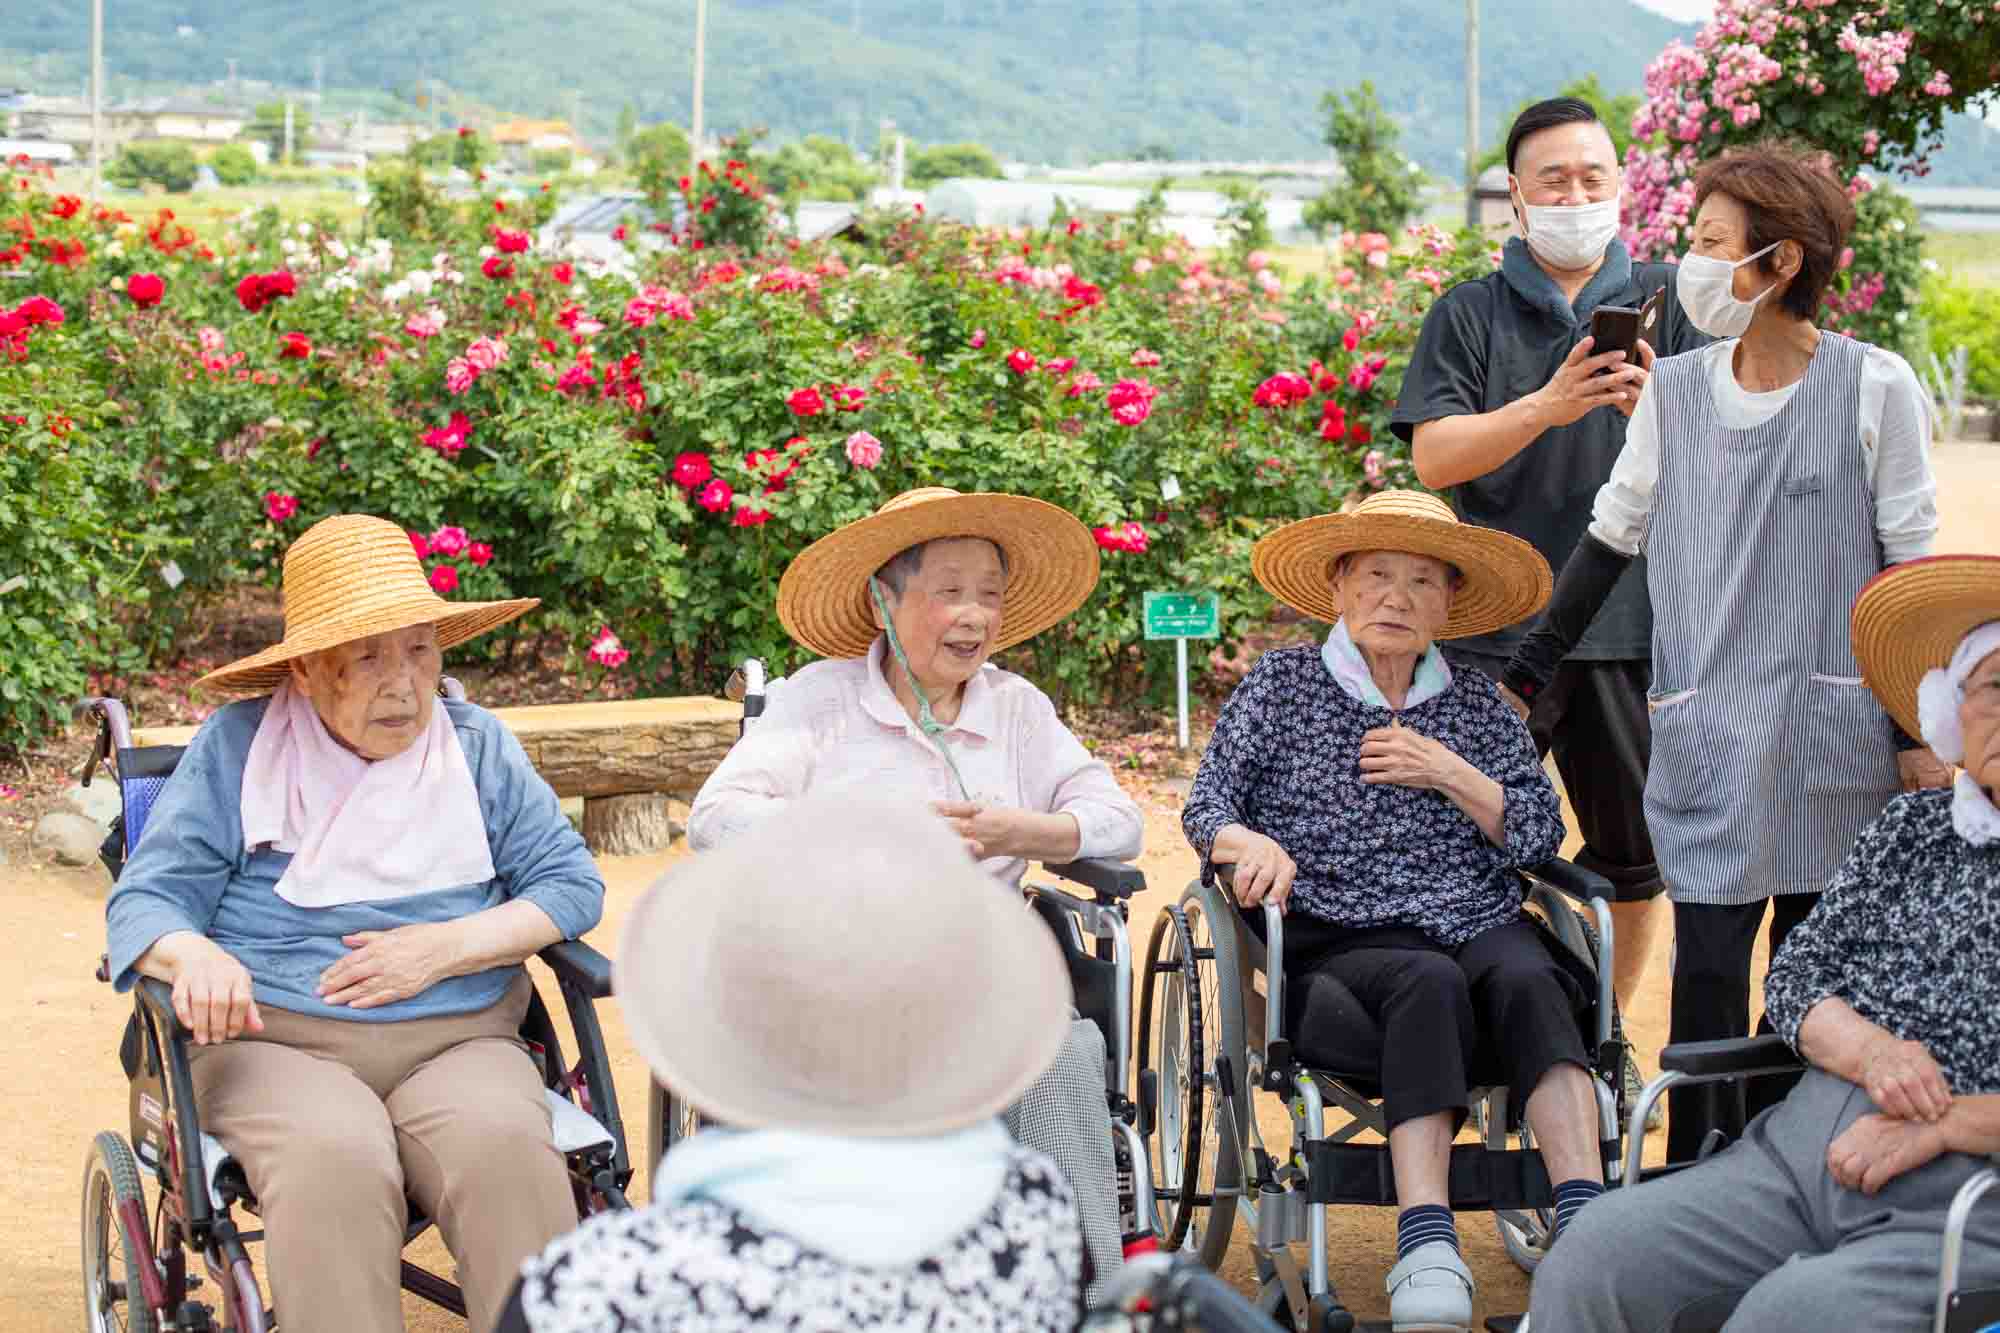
[1617, 328]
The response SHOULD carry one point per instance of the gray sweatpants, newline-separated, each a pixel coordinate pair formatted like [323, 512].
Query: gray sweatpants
[1763, 1228]
[1065, 1116]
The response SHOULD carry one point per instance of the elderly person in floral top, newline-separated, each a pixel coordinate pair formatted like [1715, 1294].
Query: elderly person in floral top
[1389, 802]
[906, 606]
[1829, 1212]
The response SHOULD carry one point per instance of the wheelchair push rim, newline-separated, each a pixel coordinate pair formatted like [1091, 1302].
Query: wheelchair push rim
[114, 1269]
[1184, 1024]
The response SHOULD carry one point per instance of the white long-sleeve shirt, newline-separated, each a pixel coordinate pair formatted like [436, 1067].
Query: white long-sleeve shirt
[837, 724]
[1895, 446]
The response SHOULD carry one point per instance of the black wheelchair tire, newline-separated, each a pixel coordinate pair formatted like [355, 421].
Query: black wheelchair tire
[113, 1296]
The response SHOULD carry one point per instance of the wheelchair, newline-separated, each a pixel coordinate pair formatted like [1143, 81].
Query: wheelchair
[1736, 1059]
[1098, 952]
[136, 1273]
[1220, 1021]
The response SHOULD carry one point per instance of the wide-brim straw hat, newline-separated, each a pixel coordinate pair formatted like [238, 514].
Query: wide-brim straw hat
[1051, 565]
[848, 970]
[1911, 618]
[1504, 580]
[348, 577]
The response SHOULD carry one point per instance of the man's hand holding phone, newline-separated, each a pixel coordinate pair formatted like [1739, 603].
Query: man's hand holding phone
[1589, 379]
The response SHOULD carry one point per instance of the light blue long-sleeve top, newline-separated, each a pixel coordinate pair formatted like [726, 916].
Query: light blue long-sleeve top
[190, 872]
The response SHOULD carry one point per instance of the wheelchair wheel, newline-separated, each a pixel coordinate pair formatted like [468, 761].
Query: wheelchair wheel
[670, 1118]
[1185, 1022]
[113, 1297]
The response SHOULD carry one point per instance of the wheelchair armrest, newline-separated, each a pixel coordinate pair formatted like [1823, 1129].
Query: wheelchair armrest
[580, 965]
[1572, 880]
[1767, 1054]
[1115, 879]
[159, 997]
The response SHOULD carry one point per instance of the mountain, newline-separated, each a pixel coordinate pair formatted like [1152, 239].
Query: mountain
[1054, 80]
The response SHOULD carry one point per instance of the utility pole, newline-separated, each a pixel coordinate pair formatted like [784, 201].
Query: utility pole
[96, 97]
[1472, 113]
[288, 132]
[700, 53]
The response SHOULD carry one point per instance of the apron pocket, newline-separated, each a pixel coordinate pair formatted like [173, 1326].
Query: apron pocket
[1845, 745]
[1679, 775]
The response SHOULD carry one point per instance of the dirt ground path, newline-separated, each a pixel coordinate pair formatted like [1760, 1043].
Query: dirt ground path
[67, 1085]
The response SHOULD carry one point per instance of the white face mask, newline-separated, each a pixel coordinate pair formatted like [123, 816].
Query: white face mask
[1570, 236]
[1707, 290]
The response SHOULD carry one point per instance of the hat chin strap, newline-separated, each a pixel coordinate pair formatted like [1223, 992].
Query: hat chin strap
[927, 722]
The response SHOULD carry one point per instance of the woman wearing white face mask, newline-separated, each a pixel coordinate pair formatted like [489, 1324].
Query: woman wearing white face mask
[1766, 477]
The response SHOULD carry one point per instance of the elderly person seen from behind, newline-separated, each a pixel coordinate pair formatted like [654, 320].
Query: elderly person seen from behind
[859, 1050]
[340, 883]
[1387, 803]
[906, 606]
[1829, 1212]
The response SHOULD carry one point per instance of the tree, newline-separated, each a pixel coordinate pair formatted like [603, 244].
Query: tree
[628, 125]
[1379, 192]
[169, 165]
[267, 122]
[928, 166]
[553, 161]
[816, 167]
[234, 164]
[1615, 112]
[658, 157]
[1868, 82]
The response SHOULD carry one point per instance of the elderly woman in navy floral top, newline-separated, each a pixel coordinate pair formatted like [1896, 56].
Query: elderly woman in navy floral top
[1386, 803]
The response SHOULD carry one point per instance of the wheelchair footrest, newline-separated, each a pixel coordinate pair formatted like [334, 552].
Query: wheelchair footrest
[1480, 1179]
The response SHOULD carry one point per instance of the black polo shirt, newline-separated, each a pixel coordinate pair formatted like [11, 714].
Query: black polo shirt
[1484, 345]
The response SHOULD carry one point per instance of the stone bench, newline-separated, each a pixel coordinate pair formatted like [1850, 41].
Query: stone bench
[624, 758]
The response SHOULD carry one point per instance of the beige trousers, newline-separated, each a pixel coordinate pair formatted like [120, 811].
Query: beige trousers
[337, 1122]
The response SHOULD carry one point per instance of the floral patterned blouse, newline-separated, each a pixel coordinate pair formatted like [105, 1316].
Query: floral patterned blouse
[699, 1265]
[1908, 933]
[1285, 761]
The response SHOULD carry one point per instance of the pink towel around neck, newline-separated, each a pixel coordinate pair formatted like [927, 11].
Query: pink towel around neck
[361, 830]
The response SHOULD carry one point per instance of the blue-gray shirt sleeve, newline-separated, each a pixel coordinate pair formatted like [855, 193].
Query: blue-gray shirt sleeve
[190, 846]
[537, 854]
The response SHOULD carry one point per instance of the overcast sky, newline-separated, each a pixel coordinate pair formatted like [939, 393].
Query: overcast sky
[1688, 11]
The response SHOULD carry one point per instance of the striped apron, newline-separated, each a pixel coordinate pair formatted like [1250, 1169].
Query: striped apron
[1769, 754]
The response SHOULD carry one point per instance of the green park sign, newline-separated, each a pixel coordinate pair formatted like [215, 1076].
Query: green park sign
[1183, 615]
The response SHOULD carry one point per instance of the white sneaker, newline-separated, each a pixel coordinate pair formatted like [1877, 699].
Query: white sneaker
[1430, 1291]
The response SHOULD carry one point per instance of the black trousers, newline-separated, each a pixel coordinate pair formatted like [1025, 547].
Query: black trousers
[1711, 1001]
[1432, 1004]
[1593, 717]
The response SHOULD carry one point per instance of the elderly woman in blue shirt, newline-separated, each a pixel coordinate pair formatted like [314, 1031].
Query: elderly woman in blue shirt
[1387, 804]
[340, 883]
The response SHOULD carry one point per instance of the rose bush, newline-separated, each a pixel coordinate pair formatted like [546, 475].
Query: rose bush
[645, 441]
[1867, 81]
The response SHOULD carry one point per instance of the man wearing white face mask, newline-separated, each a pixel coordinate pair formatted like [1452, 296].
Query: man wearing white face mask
[1509, 407]
[1766, 478]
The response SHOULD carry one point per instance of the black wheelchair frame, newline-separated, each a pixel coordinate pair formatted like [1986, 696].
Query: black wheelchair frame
[136, 1272]
[1219, 1039]
[1693, 1063]
[1097, 951]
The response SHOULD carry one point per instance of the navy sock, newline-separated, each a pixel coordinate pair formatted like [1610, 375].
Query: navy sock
[1422, 1225]
[1571, 1196]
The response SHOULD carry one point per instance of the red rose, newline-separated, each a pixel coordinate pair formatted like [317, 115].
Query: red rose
[497, 268]
[691, 470]
[1020, 361]
[66, 206]
[278, 507]
[1361, 434]
[145, 289]
[465, 131]
[420, 544]
[39, 310]
[479, 553]
[510, 242]
[563, 273]
[849, 397]
[751, 517]
[715, 496]
[618, 232]
[295, 346]
[806, 403]
[278, 283]
[444, 579]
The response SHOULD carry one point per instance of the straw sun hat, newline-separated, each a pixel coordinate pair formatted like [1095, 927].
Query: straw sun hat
[1505, 580]
[347, 577]
[1051, 565]
[891, 990]
[1910, 618]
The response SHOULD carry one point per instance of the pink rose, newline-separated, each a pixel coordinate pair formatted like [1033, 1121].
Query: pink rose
[427, 324]
[978, 339]
[450, 439]
[1083, 384]
[1131, 401]
[639, 313]
[278, 507]
[1145, 357]
[486, 353]
[715, 496]
[605, 650]
[460, 375]
[449, 541]
[863, 449]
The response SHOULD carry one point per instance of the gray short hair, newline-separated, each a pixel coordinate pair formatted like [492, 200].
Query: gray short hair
[1346, 558]
[910, 561]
